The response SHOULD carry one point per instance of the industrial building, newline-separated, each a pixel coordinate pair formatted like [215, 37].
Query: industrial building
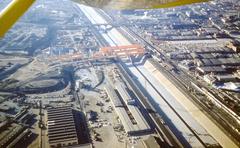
[61, 127]
[12, 134]
[211, 69]
[227, 78]
[127, 110]
[113, 96]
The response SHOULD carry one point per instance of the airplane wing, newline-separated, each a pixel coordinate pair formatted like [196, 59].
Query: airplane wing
[17, 8]
[136, 4]
[12, 13]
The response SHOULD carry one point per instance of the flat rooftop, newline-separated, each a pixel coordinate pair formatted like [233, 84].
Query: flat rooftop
[128, 112]
[61, 125]
[133, 112]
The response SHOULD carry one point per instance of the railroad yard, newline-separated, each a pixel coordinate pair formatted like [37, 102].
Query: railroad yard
[102, 83]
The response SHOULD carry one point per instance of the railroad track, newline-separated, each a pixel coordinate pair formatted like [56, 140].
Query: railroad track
[155, 121]
[213, 114]
[173, 109]
[182, 83]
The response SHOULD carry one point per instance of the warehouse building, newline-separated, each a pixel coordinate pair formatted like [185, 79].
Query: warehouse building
[61, 127]
[113, 97]
[12, 134]
[211, 69]
[227, 78]
[128, 111]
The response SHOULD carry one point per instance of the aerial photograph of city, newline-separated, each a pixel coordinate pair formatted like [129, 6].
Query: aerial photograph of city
[120, 73]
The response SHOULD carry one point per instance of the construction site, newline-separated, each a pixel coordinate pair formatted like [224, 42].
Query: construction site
[104, 86]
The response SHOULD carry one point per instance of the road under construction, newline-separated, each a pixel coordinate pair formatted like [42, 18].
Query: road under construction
[126, 89]
[174, 120]
[103, 53]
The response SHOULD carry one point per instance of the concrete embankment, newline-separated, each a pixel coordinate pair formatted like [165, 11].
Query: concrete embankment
[198, 115]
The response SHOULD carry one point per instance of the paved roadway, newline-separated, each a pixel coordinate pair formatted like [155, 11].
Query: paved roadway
[114, 37]
[183, 82]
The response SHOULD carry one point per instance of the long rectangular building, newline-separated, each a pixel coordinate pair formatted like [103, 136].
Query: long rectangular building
[113, 96]
[127, 110]
[61, 127]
